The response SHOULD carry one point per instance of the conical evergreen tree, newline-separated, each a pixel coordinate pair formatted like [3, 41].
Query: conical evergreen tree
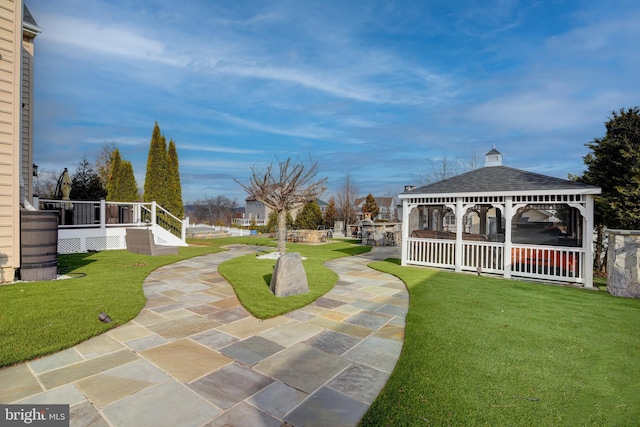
[370, 206]
[331, 214]
[155, 178]
[114, 175]
[174, 189]
[122, 182]
[129, 187]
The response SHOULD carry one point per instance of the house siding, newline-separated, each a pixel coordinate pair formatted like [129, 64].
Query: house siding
[10, 106]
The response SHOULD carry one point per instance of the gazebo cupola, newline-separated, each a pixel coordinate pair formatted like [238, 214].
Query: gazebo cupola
[493, 158]
[502, 220]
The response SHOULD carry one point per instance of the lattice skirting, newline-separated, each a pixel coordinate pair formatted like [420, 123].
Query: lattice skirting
[86, 244]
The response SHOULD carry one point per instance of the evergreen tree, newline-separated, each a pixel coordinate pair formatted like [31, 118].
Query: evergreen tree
[272, 221]
[122, 182]
[613, 164]
[114, 175]
[309, 217]
[370, 206]
[331, 214]
[129, 187]
[174, 189]
[85, 183]
[155, 178]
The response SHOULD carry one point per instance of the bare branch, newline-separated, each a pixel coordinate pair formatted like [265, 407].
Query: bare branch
[293, 186]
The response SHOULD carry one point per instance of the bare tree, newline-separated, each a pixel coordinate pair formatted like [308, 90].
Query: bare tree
[46, 183]
[103, 162]
[447, 168]
[439, 170]
[473, 163]
[290, 186]
[346, 201]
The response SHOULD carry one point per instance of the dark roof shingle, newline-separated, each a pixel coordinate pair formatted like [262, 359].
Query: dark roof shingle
[500, 179]
[28, 17]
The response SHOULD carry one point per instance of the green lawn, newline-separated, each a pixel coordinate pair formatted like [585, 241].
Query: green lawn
[250, 277]
[477, 351]
[488, 351]
[40, 318]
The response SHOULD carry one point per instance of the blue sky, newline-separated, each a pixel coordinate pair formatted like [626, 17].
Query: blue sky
[381, 90]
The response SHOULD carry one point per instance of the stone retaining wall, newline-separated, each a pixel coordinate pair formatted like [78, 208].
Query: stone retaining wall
[623, 263]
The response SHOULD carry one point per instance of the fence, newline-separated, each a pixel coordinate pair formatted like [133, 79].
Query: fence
[527, 261]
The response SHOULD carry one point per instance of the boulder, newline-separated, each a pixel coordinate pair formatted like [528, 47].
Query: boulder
[289, 277]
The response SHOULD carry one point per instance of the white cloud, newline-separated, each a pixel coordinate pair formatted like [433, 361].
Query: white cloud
[217, 149]
[105, 38]
[307, 131]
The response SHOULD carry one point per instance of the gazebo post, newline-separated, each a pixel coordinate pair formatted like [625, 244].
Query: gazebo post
[508, 215]
[459, 224]
[405, 231]
[587, 238]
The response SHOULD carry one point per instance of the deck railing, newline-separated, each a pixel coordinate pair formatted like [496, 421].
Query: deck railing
[100, 225]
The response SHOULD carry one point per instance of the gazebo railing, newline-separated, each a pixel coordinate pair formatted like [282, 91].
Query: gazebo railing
[548, 262]
[431, 252]
[486, 257]
[528, 261]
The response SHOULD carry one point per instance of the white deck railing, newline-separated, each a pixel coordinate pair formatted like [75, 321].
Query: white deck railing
[555, 263]
[99, 225]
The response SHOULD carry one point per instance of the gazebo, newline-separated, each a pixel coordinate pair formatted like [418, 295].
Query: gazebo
[502, 221]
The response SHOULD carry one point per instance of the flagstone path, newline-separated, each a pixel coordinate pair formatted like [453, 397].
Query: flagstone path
[195, 357]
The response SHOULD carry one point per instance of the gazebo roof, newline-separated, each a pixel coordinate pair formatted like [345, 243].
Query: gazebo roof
[502, 179]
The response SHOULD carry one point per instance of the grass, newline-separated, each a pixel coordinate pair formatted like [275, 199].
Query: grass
[477, 350]
[250, 277]
[487, 351]
[39, 318]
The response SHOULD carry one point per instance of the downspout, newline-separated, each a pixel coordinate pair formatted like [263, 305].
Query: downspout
[24, 202]
[34, 30]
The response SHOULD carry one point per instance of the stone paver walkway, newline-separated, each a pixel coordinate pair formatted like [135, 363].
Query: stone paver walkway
[194, 356]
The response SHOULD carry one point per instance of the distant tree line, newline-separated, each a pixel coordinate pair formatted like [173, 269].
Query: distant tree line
[214, 211]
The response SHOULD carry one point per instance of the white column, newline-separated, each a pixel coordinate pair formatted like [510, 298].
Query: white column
[587, 238]
[103, 213]
[459, 225]
[508, 216]
[154, 209]
[405, 231]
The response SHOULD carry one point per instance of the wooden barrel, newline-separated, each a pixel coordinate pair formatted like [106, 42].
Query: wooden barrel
[38, 245]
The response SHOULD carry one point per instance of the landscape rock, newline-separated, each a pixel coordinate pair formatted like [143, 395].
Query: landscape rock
[623, 263]
[289, 277]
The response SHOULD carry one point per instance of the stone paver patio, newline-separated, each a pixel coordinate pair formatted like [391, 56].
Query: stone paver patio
[195, 357]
